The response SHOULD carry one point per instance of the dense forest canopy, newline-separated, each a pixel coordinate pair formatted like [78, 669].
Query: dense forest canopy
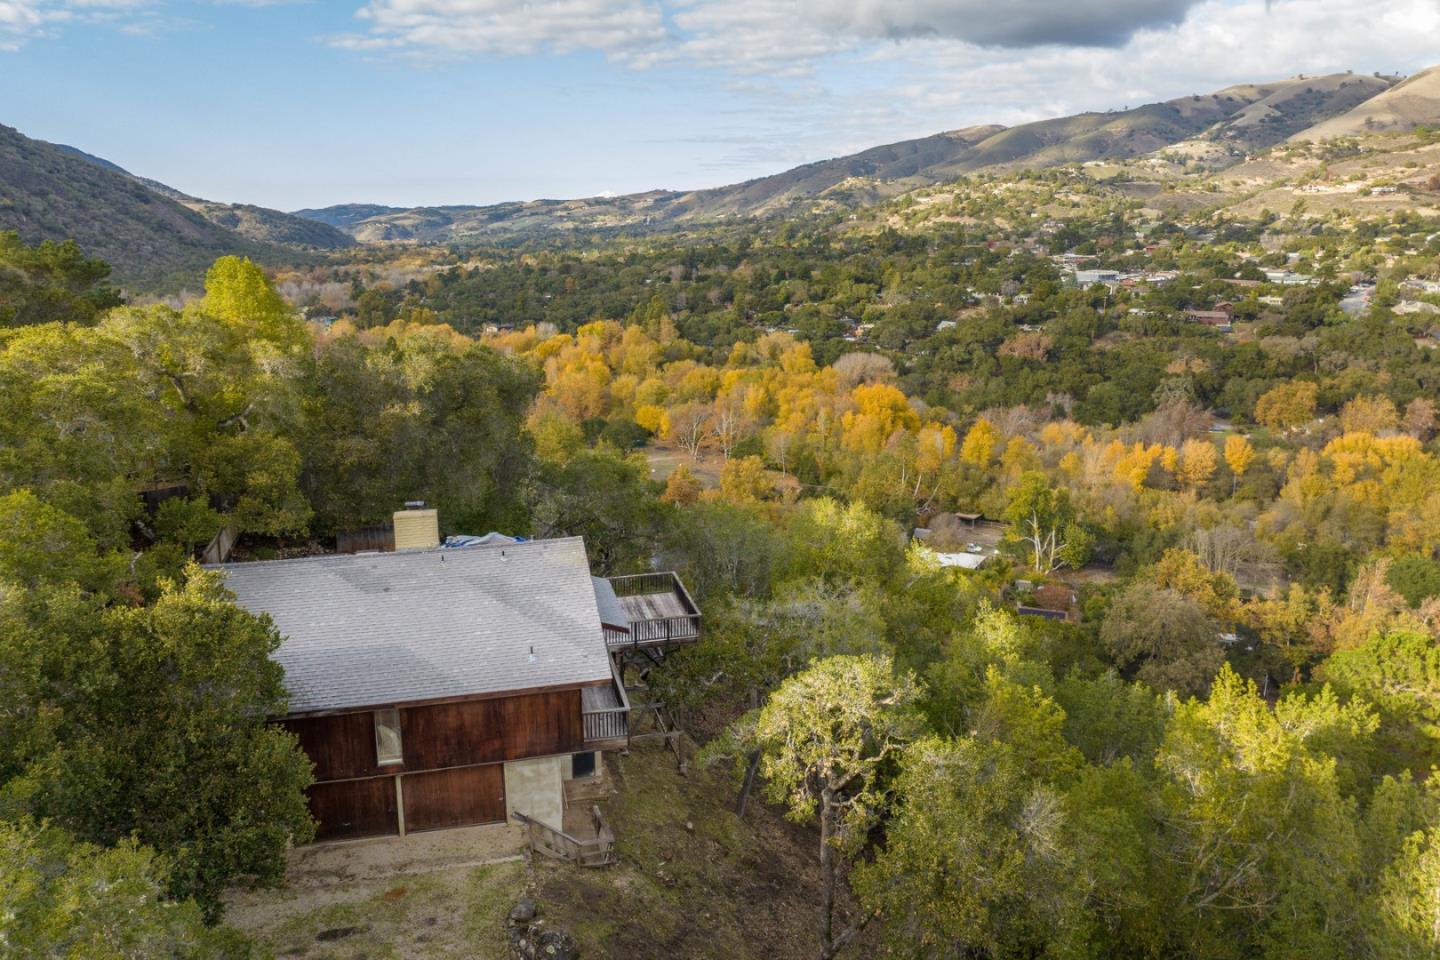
[1221, 747]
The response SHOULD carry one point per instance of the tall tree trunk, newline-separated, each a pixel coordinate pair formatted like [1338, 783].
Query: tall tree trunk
[827, 877]
[750, 770]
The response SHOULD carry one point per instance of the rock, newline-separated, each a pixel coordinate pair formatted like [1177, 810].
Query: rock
[339, 933]
[531, 939]
[558, 945]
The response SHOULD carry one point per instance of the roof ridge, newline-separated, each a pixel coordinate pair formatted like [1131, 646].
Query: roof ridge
[449, 551]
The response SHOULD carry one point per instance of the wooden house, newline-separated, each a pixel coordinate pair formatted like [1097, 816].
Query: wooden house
[435, 687]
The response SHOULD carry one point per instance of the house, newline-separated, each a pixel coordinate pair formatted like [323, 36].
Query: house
[1219, 319]
[1043, 613]
[443, 686]
[1085, 278]
[965, 560]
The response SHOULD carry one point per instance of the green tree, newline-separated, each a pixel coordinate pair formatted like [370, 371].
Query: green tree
[974, 863]
[1042, 520]
[59, 898]
[415, 419]
[239, 293]
[1163, 638]
[1404, 923]
[1398, 672]
[151, 722]
[605, 497]
[829, 738]
[51, 282]
[42, 545]
[843, 541]
[55, 377]
[1417, 579]
[227, 405]
[1263, 845]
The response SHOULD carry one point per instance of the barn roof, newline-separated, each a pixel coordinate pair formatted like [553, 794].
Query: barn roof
[370, 630]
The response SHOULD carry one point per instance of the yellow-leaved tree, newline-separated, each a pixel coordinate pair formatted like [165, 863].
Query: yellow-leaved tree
[1238, 456]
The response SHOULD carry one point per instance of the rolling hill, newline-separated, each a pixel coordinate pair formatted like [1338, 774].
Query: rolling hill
[1411, 103]
[260, 224]
[48, 193]
[155, 238]
[1230, 123]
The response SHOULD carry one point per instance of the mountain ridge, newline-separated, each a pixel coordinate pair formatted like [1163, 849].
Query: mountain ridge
[150, 240]
[253, 222]
[1233, 122]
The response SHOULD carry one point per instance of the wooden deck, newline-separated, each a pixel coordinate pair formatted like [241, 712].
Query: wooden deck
[594, 699]
[653, 606]
[658, 611]
[605, 716]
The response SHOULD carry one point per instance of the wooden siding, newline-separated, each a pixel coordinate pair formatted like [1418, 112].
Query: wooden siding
[354, 808]
[380, 538]
[486, 731]
[454, 798]
[341, 746]
[453, 772]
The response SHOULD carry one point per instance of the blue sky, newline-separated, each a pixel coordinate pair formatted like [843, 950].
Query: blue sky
[292, 104]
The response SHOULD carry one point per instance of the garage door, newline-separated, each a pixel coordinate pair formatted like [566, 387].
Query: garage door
[454, 798]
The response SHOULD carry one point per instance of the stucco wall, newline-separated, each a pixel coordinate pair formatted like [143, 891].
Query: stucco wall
[536, 788]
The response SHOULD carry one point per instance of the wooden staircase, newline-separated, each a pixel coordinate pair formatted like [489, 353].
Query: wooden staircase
[597, 850]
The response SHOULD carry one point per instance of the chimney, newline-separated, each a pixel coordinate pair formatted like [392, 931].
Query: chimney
[416, 528]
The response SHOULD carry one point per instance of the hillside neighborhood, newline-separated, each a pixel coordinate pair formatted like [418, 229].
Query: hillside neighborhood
[1020, 541]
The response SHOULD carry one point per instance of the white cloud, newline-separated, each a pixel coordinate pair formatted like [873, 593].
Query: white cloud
[852, 93]
[509, 27]
[1130, 39]
[1220, 43]
[745, 35]
[1014, 23]
[24, 20]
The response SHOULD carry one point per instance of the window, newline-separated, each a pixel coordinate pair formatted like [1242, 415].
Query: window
[387, 737]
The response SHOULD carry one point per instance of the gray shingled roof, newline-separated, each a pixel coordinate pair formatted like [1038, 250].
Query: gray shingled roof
[612, 614]
[373, 629]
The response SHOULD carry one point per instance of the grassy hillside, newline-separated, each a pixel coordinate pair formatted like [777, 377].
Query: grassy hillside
[346, 213]
[1399, 109]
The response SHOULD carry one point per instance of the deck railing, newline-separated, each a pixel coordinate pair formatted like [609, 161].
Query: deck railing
[663, 631]
[660, 630]
[608, 723]
[639, 583]
[597, 851]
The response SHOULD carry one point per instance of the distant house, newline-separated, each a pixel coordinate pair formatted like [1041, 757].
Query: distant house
[965, 560]
[445, 686]
[1085, 278]
[1220, 319]
[1043, 613]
